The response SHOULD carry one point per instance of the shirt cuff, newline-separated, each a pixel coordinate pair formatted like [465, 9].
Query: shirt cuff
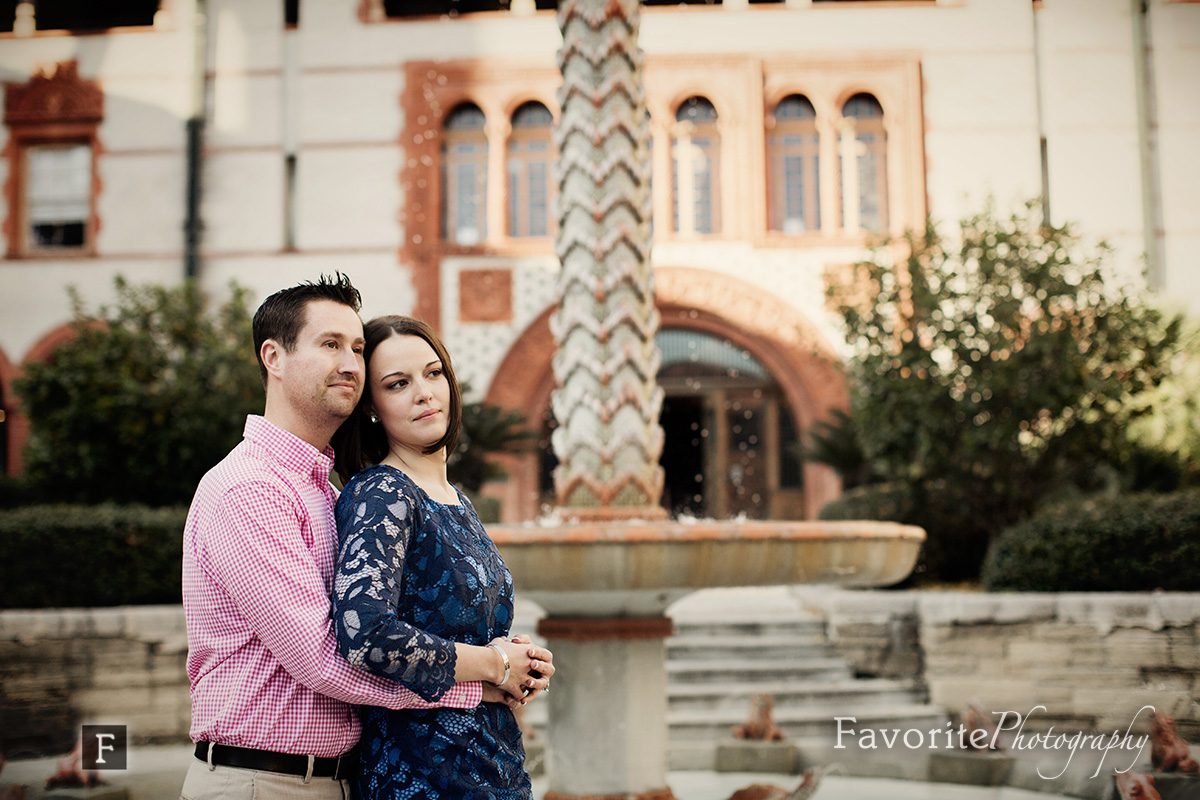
[463, 695]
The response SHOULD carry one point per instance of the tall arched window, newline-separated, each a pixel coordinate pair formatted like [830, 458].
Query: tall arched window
[864, 165]
[464, 176]
[793, 165]
[530, 154]
[696, 195]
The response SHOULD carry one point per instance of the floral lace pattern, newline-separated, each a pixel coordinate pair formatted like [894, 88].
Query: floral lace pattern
[414, 577]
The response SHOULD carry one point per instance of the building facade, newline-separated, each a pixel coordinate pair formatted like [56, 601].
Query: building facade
[411, 145]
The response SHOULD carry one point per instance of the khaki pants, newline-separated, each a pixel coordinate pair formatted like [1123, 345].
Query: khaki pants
[231, 783]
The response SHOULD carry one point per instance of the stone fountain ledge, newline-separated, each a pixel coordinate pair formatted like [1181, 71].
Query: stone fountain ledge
[551, 529]
[639, 567]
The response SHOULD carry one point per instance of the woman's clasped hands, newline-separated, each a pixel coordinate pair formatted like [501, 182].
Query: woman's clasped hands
[530, 668]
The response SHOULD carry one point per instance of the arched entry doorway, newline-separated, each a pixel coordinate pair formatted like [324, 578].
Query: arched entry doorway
[730, 441]
[788, 380]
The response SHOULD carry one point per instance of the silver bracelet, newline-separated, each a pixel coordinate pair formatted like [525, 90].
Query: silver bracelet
[507, 664]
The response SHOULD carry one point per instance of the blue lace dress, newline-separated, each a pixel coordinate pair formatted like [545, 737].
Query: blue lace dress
[414, 577]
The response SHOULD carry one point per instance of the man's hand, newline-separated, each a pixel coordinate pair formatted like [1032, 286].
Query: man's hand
[494, 694]
[531, 668]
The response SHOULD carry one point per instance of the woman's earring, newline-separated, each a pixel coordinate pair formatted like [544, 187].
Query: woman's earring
[374, 418]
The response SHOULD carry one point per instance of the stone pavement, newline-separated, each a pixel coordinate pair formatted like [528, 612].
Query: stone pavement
[156, 773]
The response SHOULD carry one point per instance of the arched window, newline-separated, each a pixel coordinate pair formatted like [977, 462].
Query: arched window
[793, 167]
[530, 154]
[864, 165]
[464, 176]
[399, 9]
[696, 195]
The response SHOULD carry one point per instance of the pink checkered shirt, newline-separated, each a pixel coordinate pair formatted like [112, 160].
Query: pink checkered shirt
[258, 561]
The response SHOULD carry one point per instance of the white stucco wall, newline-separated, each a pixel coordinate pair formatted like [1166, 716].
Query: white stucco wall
[335, 102]
[1174, 34]
[145, 77]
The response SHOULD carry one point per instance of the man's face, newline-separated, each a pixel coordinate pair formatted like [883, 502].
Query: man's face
[322, 378]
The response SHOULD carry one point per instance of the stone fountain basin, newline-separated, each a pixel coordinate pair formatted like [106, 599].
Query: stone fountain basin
[638, 568]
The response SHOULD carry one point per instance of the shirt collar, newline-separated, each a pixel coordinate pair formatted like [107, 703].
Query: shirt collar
[289, 449]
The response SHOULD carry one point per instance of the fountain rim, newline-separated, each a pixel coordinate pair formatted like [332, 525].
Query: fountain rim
[635, 531]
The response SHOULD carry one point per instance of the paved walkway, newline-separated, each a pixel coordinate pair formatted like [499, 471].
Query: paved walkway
[156, 773]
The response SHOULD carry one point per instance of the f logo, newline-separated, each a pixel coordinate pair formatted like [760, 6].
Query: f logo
[105, 747]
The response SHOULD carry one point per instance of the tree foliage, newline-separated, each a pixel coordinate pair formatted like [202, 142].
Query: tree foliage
[1170, 431]
[148, 395]
[997, 369]
[834, 441]
[486, 429]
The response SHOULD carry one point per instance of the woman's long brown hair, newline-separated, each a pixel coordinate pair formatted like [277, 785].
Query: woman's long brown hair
[360, 443]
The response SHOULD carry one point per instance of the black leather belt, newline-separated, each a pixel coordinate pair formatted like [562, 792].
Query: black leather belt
[342, 768]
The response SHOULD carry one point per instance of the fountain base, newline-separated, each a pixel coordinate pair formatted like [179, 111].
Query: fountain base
[606, 584]
[609, 711]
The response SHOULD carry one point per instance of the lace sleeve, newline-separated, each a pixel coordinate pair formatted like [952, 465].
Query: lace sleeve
[375, 525]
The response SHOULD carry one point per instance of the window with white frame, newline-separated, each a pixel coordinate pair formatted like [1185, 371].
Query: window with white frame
[695, 179]
[863, 160]
[794, 160]
[57, 195]
[464, 176]
[52, 121]
[530, 186]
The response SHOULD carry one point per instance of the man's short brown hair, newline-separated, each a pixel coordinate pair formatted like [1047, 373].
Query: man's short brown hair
[282, 315]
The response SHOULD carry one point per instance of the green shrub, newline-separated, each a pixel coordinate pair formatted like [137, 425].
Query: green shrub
[16, 492]
[146, 397]
[1131, 543]
[879, 501]
[63, 556]
[955, 542]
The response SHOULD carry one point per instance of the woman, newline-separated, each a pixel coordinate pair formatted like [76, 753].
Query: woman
[421, 594]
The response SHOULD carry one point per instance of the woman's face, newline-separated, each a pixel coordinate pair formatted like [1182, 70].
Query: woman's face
[409, 392]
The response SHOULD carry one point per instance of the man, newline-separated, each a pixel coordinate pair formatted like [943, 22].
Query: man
[271, 697]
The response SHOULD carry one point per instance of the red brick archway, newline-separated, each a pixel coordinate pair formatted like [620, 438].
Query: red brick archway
[782, 338]
[8, 403]
[16, 423]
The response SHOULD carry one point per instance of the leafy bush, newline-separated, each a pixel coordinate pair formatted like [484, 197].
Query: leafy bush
[1129, 543]
[890, 502]
[486, 429]
[16, 492]
[996, 368]
[144, 399]
[953, 548]
[61, 555]
[835, 441]
[1169, 434]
